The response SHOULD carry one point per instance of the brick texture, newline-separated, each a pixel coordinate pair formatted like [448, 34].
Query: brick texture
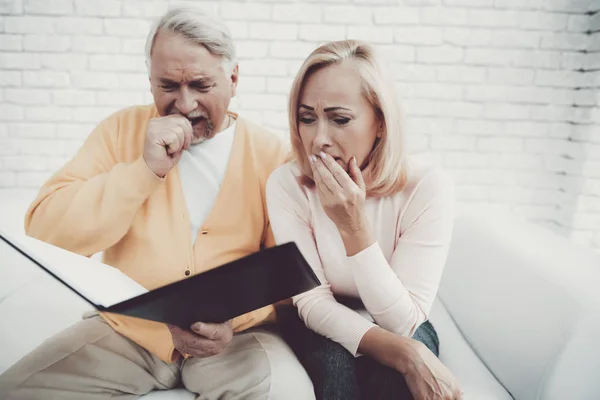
[502, 93]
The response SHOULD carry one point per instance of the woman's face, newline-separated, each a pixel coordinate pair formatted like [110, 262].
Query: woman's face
[334, 116]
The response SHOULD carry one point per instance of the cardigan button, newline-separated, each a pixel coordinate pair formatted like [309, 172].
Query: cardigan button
[188, 272]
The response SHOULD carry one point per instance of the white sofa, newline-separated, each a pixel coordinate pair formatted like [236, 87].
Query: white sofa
[518, 312]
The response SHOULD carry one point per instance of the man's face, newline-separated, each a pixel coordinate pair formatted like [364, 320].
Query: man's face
[187, 79]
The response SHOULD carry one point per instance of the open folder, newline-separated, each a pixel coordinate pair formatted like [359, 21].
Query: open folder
[257, 280]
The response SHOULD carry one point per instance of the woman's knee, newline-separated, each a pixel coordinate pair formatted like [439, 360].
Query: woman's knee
[332, 370]
[377, 381]
[427, 335]
[331, 357]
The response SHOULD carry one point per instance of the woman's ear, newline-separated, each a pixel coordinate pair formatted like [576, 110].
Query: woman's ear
[381, 123]
[380, 129]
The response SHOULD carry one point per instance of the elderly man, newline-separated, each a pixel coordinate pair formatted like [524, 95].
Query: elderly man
[165, 192]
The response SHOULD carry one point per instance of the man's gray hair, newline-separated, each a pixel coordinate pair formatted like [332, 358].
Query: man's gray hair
[200, 28]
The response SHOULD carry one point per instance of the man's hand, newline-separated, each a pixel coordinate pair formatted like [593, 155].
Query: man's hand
[166, 138]
[204, 339]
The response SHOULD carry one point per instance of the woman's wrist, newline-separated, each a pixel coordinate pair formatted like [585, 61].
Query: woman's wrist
[389, 349]
[356, 237]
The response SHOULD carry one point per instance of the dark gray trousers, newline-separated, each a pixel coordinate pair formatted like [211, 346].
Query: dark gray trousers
[337, 374]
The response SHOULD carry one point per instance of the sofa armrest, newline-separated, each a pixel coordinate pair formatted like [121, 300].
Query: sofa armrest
[527, 300]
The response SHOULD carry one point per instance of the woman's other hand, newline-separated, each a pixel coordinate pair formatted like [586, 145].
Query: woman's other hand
[426, 376]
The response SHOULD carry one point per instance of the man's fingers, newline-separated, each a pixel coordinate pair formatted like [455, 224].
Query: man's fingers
[190, 343]
[187, 141]
[172, 143]
[200, 348]
[207, 330]
[186, 127]
[188, 130]
[184, 123]
[212, 331]
[175, 140]
[184, 336]
[181, 334]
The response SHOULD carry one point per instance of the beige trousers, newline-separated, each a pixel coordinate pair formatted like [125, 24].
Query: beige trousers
[91, 361]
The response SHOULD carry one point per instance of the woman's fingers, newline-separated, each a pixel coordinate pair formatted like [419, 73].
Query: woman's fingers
[322, 176]
[338, 173]
[356, 174]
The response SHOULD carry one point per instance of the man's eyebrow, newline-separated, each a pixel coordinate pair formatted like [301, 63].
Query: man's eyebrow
[202, 80]
[168, 81]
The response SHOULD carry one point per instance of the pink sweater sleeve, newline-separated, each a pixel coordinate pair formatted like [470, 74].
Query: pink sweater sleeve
[399, 294]
[289, 214]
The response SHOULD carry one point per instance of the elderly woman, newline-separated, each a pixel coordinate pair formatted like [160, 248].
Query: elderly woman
[375, 230]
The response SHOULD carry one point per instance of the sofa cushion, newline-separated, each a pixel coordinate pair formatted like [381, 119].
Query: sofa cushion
[474, 377]
[38, 307]
[527, 302]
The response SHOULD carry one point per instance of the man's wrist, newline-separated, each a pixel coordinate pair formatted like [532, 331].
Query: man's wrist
[150, 169]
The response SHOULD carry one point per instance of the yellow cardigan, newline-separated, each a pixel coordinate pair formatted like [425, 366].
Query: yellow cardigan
[107, 199]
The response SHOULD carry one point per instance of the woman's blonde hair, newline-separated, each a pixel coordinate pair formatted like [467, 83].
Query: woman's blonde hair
[387, 159]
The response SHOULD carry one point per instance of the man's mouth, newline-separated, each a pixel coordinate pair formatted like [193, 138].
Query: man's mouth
[196, 120]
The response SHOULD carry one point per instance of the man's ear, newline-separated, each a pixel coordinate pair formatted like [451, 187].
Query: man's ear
[149, 76]
[234, 79]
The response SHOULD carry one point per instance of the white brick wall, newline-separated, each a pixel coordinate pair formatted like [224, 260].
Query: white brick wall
[503, 93]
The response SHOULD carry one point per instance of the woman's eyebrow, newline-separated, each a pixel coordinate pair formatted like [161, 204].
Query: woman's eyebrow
[328, 109]
[336, 108]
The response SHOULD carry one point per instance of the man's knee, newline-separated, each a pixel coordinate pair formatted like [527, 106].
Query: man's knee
[247, 368]
[255, 365]
[78, 361]
[44, 360]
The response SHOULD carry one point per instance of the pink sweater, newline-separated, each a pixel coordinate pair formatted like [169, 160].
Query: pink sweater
[396, 278]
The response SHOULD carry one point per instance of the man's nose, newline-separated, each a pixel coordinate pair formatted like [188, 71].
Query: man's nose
[186, 103]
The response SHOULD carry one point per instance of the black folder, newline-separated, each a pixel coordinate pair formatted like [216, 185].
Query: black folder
[247, 284]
